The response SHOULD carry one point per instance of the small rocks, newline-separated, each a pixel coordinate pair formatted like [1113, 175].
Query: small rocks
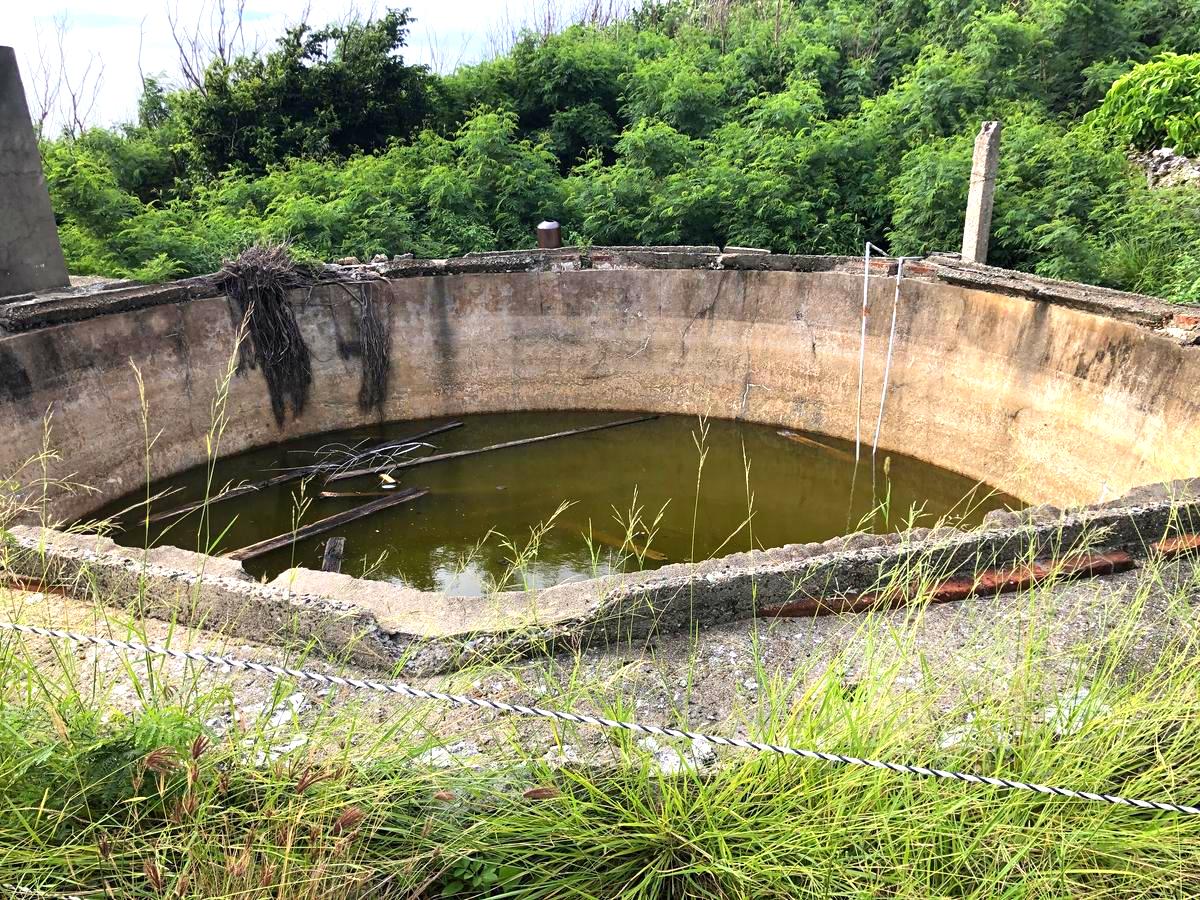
[971, 734]
[1045, 514]
[859, 540]
[275, 750]
[1165, 492]
[669, 760]
[1165, 168]
[1068, 713]
[460, 753]
[1001, 520]
[566, 755]
[288, 711]
[862, 540]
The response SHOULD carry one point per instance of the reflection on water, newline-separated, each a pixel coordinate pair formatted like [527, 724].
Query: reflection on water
[624, 498]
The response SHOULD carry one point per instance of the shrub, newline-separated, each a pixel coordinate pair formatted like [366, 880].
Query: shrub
[1155, 104]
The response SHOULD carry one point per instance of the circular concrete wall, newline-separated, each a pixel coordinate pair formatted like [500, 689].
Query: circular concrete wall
[1049, 403]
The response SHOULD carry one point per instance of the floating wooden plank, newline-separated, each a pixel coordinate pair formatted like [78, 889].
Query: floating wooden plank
[326, 524]
[239, 491]
[988, 583]
[459, 454]
[286, 477]
[810, 442]
[335, 549]
[625, 545]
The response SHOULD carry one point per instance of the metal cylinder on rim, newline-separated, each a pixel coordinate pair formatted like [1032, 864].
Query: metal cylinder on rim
[549, 235]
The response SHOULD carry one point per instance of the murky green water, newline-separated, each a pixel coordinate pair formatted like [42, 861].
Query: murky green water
[475, 527]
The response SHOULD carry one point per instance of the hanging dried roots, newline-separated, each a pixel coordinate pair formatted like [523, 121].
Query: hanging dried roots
[375, 342]
[258, 281]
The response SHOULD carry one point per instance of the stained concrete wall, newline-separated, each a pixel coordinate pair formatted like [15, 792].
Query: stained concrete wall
[1048, 403]
[31, 258]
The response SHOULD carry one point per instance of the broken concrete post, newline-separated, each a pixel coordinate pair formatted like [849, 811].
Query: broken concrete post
[31, 258]
[978, 226]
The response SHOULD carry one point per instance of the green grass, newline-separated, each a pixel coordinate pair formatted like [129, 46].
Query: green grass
[95, 798]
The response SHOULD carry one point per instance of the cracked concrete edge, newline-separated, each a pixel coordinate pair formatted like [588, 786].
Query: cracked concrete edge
[417, 633]
[28, 312]
[1140, 309]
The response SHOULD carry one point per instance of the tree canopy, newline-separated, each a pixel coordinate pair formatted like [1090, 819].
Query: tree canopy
[795, 125]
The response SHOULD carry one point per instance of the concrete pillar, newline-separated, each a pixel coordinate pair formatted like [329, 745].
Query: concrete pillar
[31, 258]
[978, 226]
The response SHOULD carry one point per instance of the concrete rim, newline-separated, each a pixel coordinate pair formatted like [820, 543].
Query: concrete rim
[382, 624]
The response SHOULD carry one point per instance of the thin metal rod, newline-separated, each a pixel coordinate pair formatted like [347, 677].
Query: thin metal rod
[862, 355]
[887, 368]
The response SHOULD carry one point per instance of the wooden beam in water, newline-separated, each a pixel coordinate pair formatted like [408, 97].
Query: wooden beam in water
[810, 442]
[459, 454]
[239, 491]
[335, 549]
[624, 545]
[326, 524]
[286, 477]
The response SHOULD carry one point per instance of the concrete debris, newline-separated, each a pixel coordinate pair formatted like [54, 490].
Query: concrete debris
[1070, 712]
[460, 753]
[668, 759]
[1166, 168]
[975, 736]
[566, 755]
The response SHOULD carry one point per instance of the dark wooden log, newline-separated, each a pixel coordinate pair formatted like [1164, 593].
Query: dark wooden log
[988, 583]
[459, 454]
[335, 549]
[239, 491]
[326, 524]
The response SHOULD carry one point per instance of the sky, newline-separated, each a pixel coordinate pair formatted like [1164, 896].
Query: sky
[110, 32]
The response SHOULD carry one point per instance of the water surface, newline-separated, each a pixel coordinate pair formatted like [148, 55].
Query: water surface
[497, 518]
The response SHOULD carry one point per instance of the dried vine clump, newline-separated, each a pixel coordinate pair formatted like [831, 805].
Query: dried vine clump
[258, 281]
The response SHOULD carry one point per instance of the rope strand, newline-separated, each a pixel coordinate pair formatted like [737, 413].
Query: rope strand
[415, 693]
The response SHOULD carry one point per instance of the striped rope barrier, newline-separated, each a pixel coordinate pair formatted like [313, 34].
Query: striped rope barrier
[415, 693]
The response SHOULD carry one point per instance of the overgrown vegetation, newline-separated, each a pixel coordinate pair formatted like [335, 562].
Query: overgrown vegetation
[800, 126]
[180, 790]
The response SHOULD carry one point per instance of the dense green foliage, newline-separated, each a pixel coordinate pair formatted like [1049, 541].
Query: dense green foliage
[802, 126]
[1157, 101]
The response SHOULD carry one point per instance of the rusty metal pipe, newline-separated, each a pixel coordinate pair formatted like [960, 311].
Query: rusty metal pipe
[549, 235]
